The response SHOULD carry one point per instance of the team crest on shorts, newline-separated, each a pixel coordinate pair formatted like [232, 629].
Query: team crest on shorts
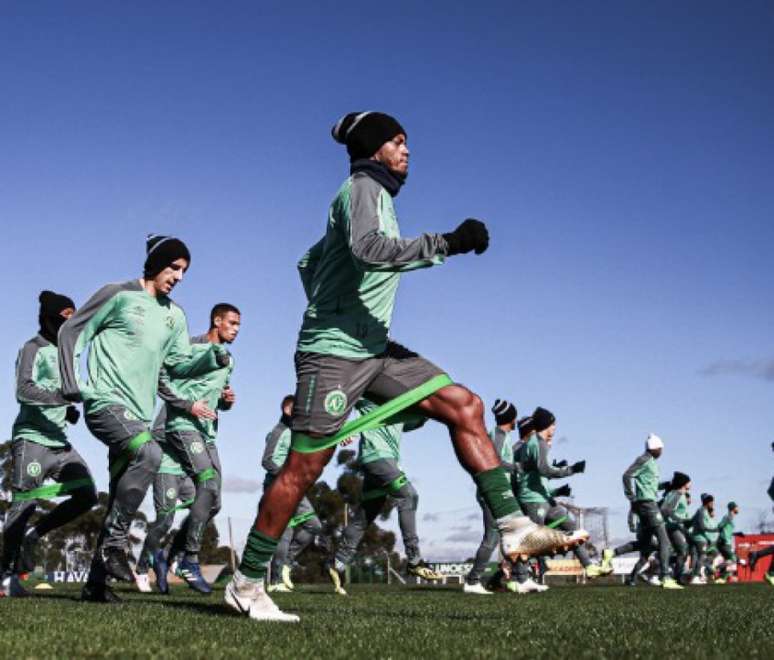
[34, 469]
[197, 447]
[335, 402]
[171, 494]
[130, 416]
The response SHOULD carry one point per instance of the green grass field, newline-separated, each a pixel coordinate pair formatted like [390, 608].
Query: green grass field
[592, 621]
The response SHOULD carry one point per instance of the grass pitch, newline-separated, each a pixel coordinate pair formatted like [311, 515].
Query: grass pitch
[380, 622]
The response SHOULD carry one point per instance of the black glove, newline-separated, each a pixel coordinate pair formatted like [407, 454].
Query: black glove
[563, 491]
[663, 485]
[470, 235]
[578, 467]
[560, 464]
[72, 414]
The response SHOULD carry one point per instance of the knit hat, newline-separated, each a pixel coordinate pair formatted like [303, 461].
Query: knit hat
[504, 411]
[706, 497]
[50, 318]
[542, 419]
[679, 479]
[525, 426]
[161, 252]
[732, 505]
[365, 132]
[653, 442]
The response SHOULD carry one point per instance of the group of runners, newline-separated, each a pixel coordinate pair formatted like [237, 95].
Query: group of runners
[138, 347]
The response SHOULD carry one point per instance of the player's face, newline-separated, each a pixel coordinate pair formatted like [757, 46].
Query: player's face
[687, 487]
[168, 278]
[548, 434]
[395, 154]
[67, 312]
[287, 409]
[228, 326]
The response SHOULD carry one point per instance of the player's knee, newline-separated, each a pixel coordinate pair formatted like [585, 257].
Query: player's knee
[470, 407]
[409, 498]
[149, 455]
[85, 497]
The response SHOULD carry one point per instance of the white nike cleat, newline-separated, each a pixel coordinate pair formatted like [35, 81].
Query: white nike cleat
[475, 588]
[529, 586]
[654, 581]
[520, 538]
[143, 582]
[278, 588]
[697, 581]
[249, 598]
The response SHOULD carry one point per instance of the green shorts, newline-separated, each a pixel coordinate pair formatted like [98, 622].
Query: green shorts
[327, 387]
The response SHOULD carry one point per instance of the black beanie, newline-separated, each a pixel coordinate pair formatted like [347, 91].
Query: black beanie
[365, 132]
[525, 426]
[49, 316]
[706, 497]
[542, 419]
[679, 479]
[162, 251]
[504, 411]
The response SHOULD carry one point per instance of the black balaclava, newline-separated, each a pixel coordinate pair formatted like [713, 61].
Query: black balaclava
[161, 252]
[50, 317]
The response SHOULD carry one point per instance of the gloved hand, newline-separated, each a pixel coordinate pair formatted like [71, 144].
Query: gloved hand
[221, 356]
[578, 467]
[560, 464]
[72, 414]
[563, 491]
[470, 235]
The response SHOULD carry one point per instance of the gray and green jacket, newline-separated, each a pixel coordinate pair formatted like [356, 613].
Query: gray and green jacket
[351, 275]
[277, 447]
[640, 481]
[726, 530]
[703, 527]
[130, 335]
[41, 417]
[502, 444]
[384, 443]
[674, 509]
[181, 393]
[536, 471]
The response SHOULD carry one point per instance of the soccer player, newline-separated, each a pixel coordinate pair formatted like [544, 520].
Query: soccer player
[343, 352]
[190, 430]
[535, 495]
[40, 449]
[704, 534]
[755, 555]
[304, 526]
[379, 458]
[131, 330]
[674, 509]
[173, 490]
[640, 483]
[726, 543]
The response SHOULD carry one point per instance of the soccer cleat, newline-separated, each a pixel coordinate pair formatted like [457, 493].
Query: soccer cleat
[278, 588]
[336, 579]
[117, 565]
[769, 577]
[670, 583]
[11, 587]
[98, 593]
[607, 558]
[143, 582]
[249, 599]
[191, 572]
[287, 580]
[422, 570]
[720, 580]
[160, 568]
[475, 588]
[654, 581]
[527, 587]
[697, 581]
[520, 538]
[597, 570]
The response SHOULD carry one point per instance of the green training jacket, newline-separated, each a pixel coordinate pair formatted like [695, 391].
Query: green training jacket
[640, 481]
[130, 335]
[536, 471]
[42, 409]
[726, 530]
[674, 509]
[351, 276]
[703, 527]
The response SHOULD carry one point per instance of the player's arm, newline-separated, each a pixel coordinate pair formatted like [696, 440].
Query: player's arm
[172, 398]
[307, 266]
[371, 248]
[28, 389]
[76, 333]
[630, 477]
[182, 361]
[545, 468]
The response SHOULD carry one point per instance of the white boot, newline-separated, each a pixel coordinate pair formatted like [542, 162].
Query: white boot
[520, 538]
[143, 582]
[475, 588]
[249, 598]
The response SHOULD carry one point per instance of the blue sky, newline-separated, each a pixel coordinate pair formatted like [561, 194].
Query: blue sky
[621, 154]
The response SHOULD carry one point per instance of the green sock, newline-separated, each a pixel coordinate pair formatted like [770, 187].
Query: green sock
[496, 490]
[257, 554]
